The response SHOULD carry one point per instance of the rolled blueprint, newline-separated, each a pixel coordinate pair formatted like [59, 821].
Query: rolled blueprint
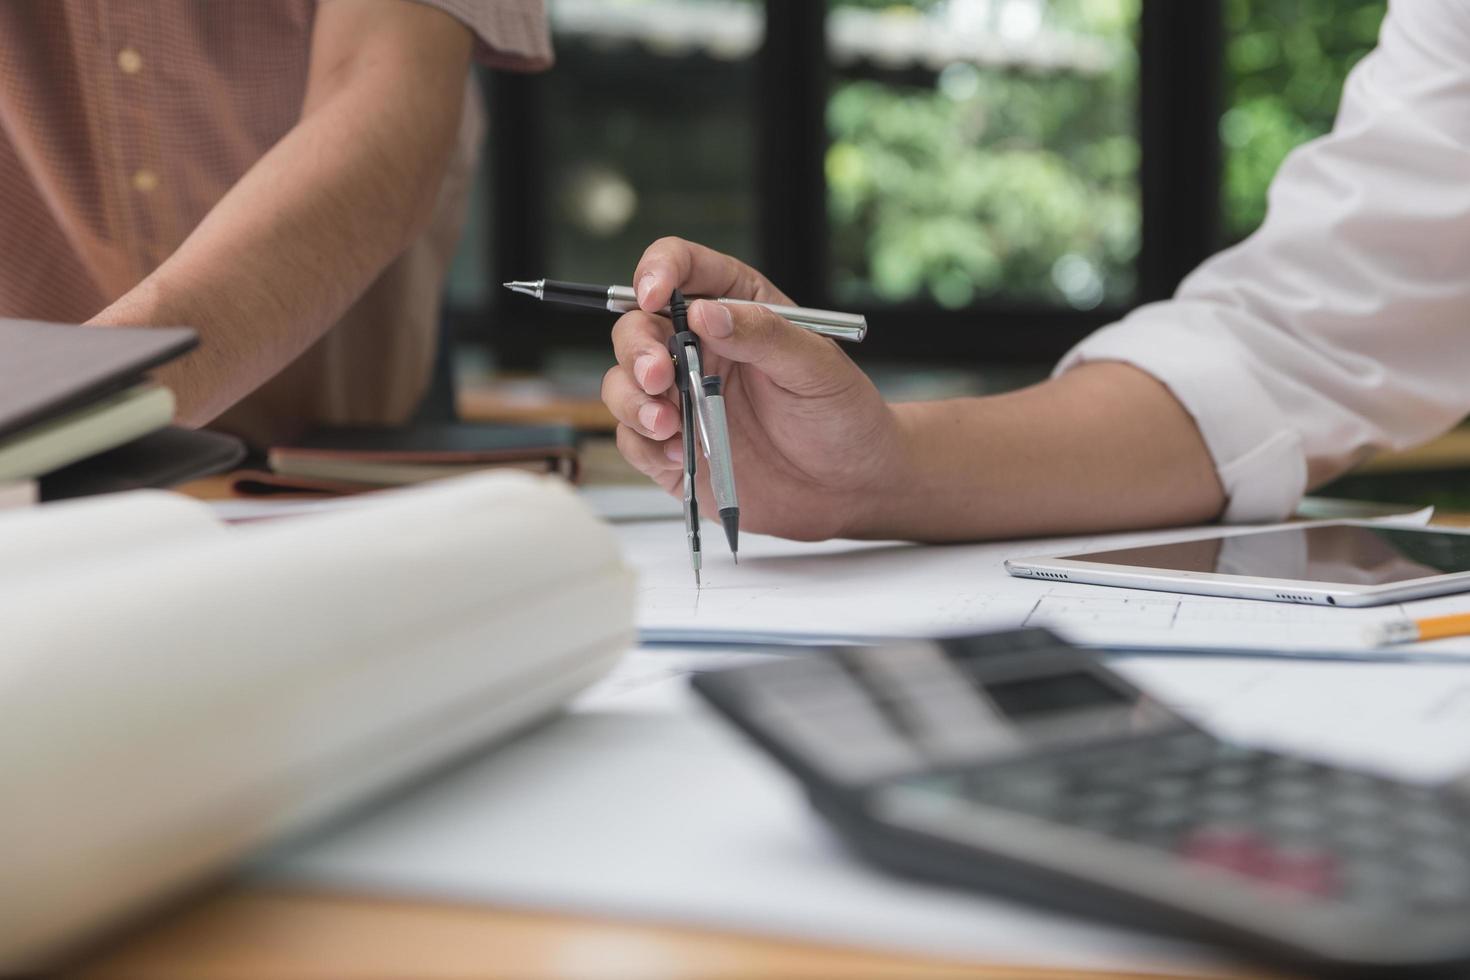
[166, 707]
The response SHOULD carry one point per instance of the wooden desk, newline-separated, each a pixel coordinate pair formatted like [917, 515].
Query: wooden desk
[263, 933]
[533, 400]
[1448, 452]
[250, 934]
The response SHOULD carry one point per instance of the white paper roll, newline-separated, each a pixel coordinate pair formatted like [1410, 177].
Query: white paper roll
[37, 540]
[161, 715]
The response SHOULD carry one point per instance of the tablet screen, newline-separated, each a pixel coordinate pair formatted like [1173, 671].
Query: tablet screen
[1339, 553]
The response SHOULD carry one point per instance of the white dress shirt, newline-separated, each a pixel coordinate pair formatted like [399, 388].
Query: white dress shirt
[1342, 326]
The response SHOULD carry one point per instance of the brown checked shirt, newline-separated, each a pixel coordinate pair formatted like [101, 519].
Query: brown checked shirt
[122, 122]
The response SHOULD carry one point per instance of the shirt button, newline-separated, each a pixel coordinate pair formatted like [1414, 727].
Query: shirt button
[145, 181]
[129, 61]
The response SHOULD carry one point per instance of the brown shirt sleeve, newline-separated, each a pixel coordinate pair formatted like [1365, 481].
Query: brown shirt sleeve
[510, 34]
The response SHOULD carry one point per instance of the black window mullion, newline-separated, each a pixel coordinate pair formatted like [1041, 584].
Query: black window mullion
[1181, 90]
[517, 213]
[791, 114]
[1181, 83]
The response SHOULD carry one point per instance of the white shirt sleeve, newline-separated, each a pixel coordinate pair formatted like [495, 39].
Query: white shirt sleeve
[1343, 325]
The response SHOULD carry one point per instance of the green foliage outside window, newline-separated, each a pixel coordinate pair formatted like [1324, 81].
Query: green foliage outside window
[1022, 184]
[1285, 63]
[1016, 182]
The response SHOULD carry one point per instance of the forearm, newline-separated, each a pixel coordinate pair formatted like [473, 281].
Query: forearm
[1104, 446]
[289, 248]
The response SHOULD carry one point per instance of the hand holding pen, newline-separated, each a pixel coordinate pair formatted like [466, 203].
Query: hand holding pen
[812, 442]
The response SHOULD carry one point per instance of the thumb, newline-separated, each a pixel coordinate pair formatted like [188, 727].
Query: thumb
[795, 359]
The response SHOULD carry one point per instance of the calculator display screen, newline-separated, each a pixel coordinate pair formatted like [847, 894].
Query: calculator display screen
[1344, 554]
[1073, 691]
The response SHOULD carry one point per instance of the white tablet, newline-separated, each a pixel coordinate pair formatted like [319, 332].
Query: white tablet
[1336, 563]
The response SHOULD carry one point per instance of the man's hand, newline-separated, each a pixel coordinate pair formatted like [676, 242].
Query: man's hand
[814, 443]
[819, 454]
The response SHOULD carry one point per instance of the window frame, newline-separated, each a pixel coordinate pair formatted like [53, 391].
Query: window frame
[1181, 84]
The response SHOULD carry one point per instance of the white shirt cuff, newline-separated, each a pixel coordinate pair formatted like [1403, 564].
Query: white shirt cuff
[1257, 454]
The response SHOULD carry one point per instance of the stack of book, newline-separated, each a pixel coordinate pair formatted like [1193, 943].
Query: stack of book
[69, 394]
[354, 460]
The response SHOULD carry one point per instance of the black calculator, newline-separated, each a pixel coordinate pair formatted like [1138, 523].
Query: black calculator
[1019, 764]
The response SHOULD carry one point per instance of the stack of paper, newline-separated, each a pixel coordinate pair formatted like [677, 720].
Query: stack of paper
[694, 826]
[664, 815]
[841, 591]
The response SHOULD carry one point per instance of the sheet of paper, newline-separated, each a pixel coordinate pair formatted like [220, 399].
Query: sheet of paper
[1337, 509]
[668, 816]
[1404, 720]
[611, 502]
[241, 510]
[657, 680]
[640, 805]
[786, 591]
[635, 502]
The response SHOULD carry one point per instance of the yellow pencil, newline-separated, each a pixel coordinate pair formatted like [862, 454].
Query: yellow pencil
[1414, 630]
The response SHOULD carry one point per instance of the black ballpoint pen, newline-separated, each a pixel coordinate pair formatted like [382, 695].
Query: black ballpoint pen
[621, 299]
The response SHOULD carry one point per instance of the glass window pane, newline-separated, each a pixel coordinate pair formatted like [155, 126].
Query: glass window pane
[983, 151]
[650, 130]
[1285, 64]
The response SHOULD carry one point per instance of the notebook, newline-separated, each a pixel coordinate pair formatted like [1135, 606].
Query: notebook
[85, 431]
[49, 369]
[164, 458]
[349, 460]
[178, 692]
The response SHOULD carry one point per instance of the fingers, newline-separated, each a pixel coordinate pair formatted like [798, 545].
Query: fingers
[653, 416]
[637, 392]
[649, 456]
[795, 359]
[673, 263]
[663, 463]
[640, 343]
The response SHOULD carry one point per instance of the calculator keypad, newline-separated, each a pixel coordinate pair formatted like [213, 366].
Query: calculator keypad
[1293, 825]
[918, 748]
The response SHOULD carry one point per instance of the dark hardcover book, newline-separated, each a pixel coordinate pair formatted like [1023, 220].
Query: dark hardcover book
[163, 459]
[349, 459]
[50, 369]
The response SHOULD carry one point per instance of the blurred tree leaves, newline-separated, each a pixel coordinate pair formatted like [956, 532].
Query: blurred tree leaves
[1023, 184]
[990, 182]
[1285, 64]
